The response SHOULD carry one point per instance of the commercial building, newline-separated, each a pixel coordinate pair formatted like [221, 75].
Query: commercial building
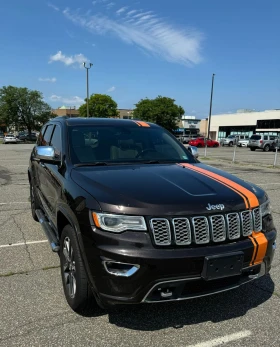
[73, 112]
[244, 122]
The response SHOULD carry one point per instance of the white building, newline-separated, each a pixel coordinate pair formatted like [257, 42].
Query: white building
[191, 123]
[245, 122]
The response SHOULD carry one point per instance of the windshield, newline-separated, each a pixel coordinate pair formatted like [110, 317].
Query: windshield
[231, 136]
[117, 144]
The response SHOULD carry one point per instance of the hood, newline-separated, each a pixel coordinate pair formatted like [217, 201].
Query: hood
[162, 189]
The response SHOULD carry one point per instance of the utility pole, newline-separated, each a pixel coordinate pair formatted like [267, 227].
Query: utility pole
[87, 68]
[210, 111]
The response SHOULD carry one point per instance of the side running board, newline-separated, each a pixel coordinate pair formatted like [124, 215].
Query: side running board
[48, 231]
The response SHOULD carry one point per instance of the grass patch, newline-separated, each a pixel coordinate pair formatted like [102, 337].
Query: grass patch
[204, 158]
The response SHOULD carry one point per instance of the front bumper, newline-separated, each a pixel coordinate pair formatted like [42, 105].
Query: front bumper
[164, 274]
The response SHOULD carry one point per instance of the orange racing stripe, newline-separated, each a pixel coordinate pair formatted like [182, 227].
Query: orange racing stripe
[253, 201]
[226, 185]
[262, 247]
[258, 239]
[143, 124]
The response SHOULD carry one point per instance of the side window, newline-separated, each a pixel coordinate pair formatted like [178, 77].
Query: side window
[56, 140]
[265, 137]
[47, 135]
[40, 137]
[272, 137]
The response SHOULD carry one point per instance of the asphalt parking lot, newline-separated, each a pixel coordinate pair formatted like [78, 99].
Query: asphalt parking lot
[33, 311]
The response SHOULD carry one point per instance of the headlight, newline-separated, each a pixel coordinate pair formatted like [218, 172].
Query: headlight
[265, 208]
[118, 223]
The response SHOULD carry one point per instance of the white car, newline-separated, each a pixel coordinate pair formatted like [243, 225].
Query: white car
[10, 139]
[243, 143]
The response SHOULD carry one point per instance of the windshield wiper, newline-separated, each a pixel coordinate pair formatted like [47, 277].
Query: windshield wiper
[98, 163]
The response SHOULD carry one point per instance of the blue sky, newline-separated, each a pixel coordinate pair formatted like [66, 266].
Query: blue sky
[143, 49]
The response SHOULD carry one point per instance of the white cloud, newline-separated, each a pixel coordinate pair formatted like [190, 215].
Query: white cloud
[110, 5]
[74, 100]
[147, 31]
[53, 6]
[131, 12]
[52, 80]
[112, 89]
[76, 59]
[121, 10]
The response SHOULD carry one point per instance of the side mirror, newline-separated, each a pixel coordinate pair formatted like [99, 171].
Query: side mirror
[46, 154]
[194, 151]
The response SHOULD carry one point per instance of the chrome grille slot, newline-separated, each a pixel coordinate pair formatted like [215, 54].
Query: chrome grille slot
[218, 228]
[182, 231]
[161, 231]
[201, 230]
[257, 219]
[233, 226]
[247, 223]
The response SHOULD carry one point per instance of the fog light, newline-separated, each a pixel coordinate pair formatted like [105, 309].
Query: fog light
[120, 269]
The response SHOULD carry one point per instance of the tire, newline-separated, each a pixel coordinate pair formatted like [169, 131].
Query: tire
[74, 278]
[266, 148]
[230, 144]
[223, 144]
[199, 145]
[34, 202]
[252, 149]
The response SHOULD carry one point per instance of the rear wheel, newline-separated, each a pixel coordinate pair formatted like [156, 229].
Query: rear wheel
[199, 145]
[266, 148]
[252, 149]
[230, 144]
[75, 283]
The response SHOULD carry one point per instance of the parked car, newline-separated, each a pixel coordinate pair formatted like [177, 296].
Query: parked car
[137, 219]
[243, 143]
[27, 137]
[200, 142]
[265, 142]
[10, 138]
[232, 140]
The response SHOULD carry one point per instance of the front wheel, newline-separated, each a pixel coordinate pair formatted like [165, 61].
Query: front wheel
[75, 283]
[252, 149]
[34, 202]
[230, 144]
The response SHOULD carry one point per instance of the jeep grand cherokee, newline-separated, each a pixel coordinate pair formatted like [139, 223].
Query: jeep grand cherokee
[137, 219]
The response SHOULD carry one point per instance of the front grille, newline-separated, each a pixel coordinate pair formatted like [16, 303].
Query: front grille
[161, 230]
[204, 229]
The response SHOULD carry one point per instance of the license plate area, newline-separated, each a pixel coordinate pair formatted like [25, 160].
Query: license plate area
[220, 266]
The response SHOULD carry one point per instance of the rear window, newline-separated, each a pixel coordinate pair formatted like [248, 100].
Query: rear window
[255, 137]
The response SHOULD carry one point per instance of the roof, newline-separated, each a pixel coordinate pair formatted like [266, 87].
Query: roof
[101, 121]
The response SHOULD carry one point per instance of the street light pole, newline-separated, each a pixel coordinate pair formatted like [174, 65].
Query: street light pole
[87, 68]
[210, 111]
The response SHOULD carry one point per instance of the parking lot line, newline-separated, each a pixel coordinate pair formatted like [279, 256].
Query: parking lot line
[23, 243]
[14, 202]
[224, 339]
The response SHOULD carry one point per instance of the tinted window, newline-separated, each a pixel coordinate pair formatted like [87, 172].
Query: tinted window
[40, 137]
[47, 135]
[272, 137]
[265, 137]
[124, 144]
[255, 137]
[56, 140]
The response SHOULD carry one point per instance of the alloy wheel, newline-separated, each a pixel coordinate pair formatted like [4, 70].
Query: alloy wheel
[69, 268]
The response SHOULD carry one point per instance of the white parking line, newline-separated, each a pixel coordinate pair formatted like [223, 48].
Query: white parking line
[14, 202]
[23, 244]
[224, 339]
[267, 184]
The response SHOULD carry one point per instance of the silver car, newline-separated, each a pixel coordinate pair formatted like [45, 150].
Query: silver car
[10, 139]
[264, 142]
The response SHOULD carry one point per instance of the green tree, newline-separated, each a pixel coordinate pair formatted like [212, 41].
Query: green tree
[22, 107]
[161, 110]
[100, 106]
